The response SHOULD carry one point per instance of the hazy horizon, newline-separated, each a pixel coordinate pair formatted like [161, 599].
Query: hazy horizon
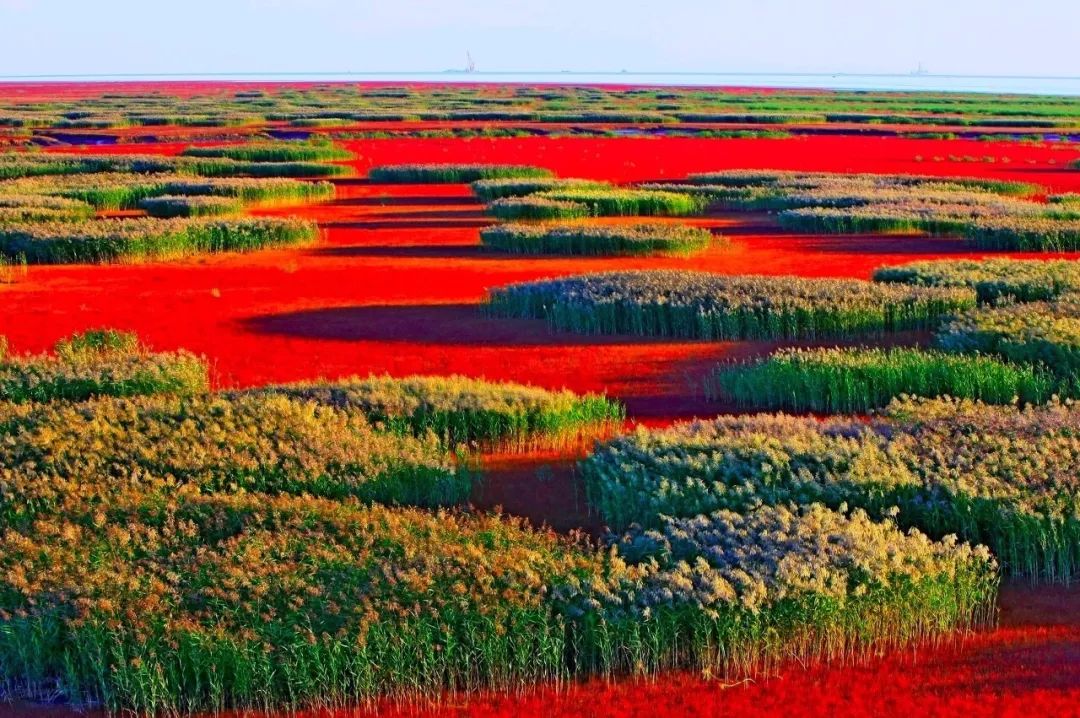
[128, 37]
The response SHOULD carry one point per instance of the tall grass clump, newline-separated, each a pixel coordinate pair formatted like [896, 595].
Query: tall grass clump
[1026, 234]
[114, 191]
[452, 174]
[234, 168]
[582, 239]
[629, 202]
[859, 380]
[100, 363]
[206, 443]
[13, 269]
[492, 189]
[15, 165]
[1002, 476]
[39, 208]
[183, 604]
[460, 410]
[1041, 334]
[102, 241]
[250, 601]
[994, 279]
[272, 152]
[252, 190]
[535, 207]
[104, 191]
[729, 593]
[170, 206]
[698, 305]
[991, 214]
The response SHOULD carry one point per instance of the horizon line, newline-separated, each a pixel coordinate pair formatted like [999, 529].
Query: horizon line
[456, 71]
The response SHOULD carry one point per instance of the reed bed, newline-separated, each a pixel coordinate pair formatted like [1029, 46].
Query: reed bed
[452, 174]
[37, 208]
[249, 601]
[100, 241]
[233, 168]
[253, 190]
[856, 380]
[991, 214]
[493, 189]
[729, 593]
[101, 190]
[205, 444]
[278, 603]
[170, 206]
[1027, 234]
[807, 180]
[598, 240]
[118, 191]
[1039, 334]
[272, 152]
[993, 279]
[13, 269]
[995, 475]
[628, 202]
[100, 363]
[14, 165]
[697, 305]
[461, 410]
[535, 207]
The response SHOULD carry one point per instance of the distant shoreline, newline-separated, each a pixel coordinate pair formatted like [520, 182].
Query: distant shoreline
[1017, 84]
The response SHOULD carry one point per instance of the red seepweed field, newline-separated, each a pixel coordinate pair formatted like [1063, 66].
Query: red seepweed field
[395, 283]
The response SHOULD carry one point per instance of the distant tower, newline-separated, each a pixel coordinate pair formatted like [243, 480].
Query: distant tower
[470, 65]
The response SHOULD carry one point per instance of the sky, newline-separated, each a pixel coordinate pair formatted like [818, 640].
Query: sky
[980, 37]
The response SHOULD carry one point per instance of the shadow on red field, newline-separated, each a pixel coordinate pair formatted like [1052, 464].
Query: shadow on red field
[450, 324]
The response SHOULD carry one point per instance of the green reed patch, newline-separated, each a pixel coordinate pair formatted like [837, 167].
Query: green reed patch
[253, 190]
[1026, 234]
[698, 305]
[993, 279]
[584, 239]
[100, 363]
[99, 241]
[991, 214]
[621, 202]
[1041, 334]
[249, 601]
[1001, 476]
[169, 206]
[452, 173]
[118, 191]
[234, 168]
[272, 152]
[535, 207]
[206, 444]
[493, 189]
[460, 410]
[729, 592]
[15, 165]
[38, 208]
[859, 380]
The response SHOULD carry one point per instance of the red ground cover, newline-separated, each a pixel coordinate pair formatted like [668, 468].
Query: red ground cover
[394, 287]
